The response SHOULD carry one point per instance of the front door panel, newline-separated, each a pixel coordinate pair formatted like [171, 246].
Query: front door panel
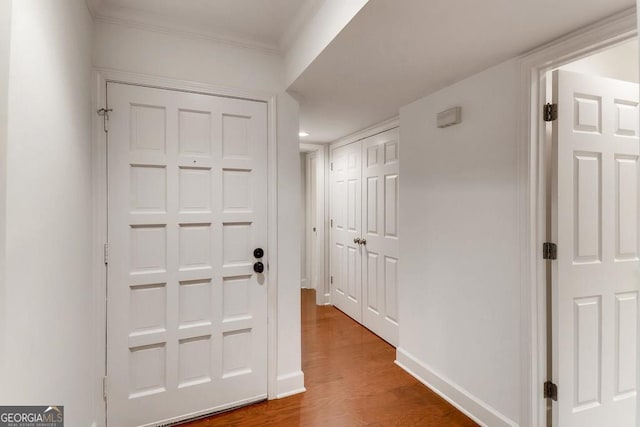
[187, 206]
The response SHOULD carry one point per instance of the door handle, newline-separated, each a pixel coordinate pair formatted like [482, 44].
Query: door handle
[363, 241]
[258, 267]
[356, 240]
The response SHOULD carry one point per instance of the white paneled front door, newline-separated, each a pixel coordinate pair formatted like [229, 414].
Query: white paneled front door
[364, 232]
[596, 277]
[186, 317]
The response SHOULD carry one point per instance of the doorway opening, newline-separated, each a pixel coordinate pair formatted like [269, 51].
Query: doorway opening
[540, 170]
[592, 212]
[313, 202]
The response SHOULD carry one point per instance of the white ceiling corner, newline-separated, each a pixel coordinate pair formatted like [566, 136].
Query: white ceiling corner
[305, 12]
[93, 6]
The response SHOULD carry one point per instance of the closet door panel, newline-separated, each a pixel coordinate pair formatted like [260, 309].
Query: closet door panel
[346, 216]
[365, 232]
[380, 173]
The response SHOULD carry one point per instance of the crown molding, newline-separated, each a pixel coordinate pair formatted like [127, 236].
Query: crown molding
[146, 21]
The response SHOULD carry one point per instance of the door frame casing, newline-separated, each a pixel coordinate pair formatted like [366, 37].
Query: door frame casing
[532, 186]
[101, 77]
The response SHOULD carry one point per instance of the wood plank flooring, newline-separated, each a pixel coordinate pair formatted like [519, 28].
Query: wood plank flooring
[351, 380]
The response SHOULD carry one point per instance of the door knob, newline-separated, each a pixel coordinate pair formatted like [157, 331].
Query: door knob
[356, 240]
[363, 241]
[258, 267]
[258, 253]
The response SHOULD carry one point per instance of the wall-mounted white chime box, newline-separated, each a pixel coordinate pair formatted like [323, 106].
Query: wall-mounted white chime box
[449, 117]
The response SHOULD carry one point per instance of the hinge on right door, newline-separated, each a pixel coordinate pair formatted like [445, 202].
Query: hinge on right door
[332, 280]
[106, 253]
[550, 391]
[104, 113]
[331, 165]
[550, 112]
[331, 223]
[549, 251]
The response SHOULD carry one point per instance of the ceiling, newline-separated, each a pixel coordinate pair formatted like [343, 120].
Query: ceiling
[394, 52]
[266, 24]
[390, 54]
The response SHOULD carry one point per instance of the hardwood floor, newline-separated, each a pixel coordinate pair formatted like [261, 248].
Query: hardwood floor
[351, 380]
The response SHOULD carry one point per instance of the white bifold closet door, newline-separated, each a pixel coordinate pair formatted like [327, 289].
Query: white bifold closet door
[346, 212]
[186, 317]
[364, 232]
[596, 277]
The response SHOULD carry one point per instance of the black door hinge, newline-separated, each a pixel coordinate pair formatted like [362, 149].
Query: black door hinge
[549, 251]
[550, 112]
[550, 391]
[104, 113]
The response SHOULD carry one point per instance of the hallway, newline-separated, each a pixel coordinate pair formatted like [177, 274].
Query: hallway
[351, 380]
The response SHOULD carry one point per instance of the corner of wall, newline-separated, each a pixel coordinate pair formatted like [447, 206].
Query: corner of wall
[290, 384]
[289, 377]
[468, 404]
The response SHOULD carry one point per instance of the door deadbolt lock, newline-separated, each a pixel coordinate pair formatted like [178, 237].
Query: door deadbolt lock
[258, 267]
[258, 253]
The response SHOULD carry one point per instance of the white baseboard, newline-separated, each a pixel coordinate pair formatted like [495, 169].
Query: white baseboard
[290, 384]
[464, 401]
[327, 299]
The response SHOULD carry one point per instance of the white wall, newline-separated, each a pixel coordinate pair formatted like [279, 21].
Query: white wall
[459, 280]
[5, 37]
[193, 59]
[48, 295]
[290, 377]
[205, 61]
[620, 62]
[304, 274]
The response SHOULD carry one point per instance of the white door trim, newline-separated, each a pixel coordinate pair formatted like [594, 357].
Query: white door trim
[532, 184]
[389, 124]
[99, 238]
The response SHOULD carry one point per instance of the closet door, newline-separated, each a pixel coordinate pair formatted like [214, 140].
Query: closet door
[346, 214]
[379, 244]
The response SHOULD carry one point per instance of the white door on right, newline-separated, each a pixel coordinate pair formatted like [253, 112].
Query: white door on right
[596, 278]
